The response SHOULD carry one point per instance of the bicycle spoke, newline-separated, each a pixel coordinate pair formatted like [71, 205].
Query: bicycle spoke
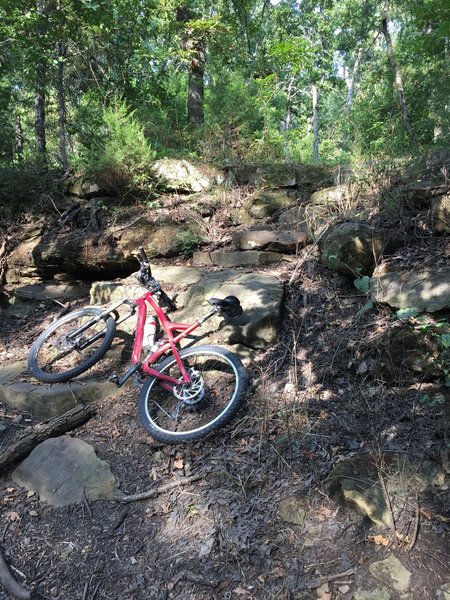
[193, 406]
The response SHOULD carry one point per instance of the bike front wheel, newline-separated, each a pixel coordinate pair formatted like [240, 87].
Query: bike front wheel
[71, 345]
[192, 411]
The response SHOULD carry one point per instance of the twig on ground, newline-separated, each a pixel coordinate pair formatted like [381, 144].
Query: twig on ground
[389, 505]
[86, 503]
[416, 526]
[124, 498]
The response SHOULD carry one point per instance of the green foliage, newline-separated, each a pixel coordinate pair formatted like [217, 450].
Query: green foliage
[190, 241]
[362, 284]
[262, 60]
[119, 156]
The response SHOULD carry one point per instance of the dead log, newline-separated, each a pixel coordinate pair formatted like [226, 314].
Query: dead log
[36, 434]
[13, 587]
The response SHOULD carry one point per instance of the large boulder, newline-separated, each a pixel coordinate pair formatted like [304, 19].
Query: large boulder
[65, 470]
[262, 205]
[331, 196]
[260, 296]
[422, 290]
[184, 176]
[352, 248]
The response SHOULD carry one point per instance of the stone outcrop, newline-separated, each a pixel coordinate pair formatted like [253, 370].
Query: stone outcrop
[423, 290]
[18, 391]
[331, 196]
[262, 205]
[270, 239]
[309, 219]
[352, 248]
[264, 176]
[21, 263]
[227, 260]
[184, 176]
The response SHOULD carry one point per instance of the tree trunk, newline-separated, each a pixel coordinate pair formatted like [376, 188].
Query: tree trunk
[39, 99]
[350, 81]
[195, 48]
[398, 82]
[62, 107]
[315, 107]
[39, 119]
[196, 93]
[18, 144]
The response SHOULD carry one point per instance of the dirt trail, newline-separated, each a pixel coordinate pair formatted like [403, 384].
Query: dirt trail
[313, 403]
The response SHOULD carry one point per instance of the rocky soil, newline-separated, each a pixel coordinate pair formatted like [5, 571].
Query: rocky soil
[331, 483]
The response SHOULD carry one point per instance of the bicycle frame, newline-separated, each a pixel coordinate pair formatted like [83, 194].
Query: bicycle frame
[169, 341]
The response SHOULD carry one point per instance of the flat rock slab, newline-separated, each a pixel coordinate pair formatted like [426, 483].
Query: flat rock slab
[248, 258]
[47, 401]
[65, 470]
[63, 292]
[260, 296]
[269, 239]
[424, 290]
[391, 573]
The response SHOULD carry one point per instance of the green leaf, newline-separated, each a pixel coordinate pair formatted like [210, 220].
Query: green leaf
[445, 340]
[362, 284]
[406, 313]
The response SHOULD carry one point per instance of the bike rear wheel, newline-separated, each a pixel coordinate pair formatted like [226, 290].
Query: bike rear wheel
[191, 412]
[63, 352]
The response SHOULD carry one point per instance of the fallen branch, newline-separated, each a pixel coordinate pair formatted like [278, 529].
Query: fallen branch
[416, 526]
[32, 436]
[124, 498]
[11, 585]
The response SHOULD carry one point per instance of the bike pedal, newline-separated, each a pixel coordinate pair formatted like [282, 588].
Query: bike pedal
[114, 379]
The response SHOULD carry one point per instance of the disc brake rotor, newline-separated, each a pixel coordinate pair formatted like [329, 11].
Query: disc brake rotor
[190, 393]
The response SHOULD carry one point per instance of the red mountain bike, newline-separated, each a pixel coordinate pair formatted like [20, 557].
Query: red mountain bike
[185, 394]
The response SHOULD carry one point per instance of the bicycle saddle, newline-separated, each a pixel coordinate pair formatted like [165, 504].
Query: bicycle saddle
[229, 305]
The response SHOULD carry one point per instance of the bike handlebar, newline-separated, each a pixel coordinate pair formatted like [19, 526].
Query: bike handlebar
[146, 278]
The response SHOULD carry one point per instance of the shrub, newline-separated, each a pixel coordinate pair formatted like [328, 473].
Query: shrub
[120, 156]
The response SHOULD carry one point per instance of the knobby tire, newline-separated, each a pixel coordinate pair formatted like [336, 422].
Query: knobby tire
[44, 373]
[224, 385]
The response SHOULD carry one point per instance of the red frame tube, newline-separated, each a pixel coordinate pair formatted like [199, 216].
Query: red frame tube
[170, 339]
